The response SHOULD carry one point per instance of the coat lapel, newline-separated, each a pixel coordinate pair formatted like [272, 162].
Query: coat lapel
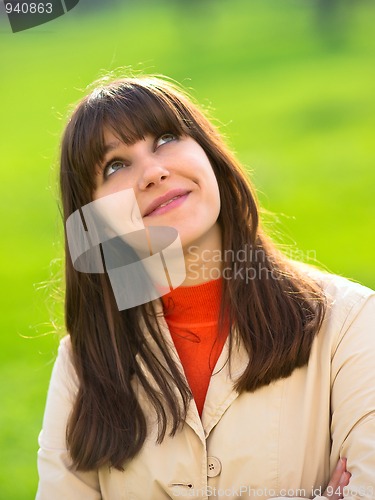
[221, 392]
[192, 417]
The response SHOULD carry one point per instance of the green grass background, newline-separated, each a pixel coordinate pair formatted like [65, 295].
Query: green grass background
[292, 89]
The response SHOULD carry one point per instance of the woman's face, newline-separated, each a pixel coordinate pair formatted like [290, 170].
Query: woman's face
[173, 182]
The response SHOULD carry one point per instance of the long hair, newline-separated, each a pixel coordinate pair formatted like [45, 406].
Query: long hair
[275, 311]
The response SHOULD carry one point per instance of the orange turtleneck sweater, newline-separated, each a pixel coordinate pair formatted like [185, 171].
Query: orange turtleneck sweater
[192, 315]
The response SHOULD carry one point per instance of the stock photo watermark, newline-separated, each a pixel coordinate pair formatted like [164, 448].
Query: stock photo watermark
[143, 263]
[251, 492]
[246, 263]
[24, 15]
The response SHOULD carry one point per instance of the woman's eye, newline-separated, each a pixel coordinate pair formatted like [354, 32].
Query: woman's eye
[113, 167]
[165, 138]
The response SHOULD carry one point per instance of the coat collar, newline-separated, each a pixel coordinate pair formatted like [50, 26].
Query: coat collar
[221, 392]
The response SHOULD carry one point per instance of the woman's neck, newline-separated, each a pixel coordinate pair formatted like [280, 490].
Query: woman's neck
[203, 258]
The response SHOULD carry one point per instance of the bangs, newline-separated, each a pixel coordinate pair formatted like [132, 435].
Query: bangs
[132, 112]
[138, 114]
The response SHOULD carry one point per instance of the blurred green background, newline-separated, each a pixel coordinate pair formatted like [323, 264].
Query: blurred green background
[291, 84]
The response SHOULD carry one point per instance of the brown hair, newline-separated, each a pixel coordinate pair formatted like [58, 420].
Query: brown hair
[276, 316]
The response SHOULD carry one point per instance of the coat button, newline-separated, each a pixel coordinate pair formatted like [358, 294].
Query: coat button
[213, 466]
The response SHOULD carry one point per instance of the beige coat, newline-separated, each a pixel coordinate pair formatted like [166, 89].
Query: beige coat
[282, 440]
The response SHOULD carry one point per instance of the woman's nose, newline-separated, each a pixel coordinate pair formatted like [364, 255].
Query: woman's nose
[152, 175]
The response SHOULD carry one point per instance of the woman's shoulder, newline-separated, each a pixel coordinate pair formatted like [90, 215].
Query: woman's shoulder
[64, 351]
[344, 298]
[338, 287]
[334, 284]
[63, 370]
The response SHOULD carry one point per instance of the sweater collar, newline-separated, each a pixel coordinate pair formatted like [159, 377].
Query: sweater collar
[194, 304]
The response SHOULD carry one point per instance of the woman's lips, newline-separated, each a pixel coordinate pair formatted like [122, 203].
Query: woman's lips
[169, 205]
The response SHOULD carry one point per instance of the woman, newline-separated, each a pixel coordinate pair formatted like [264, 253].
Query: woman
[255, 378]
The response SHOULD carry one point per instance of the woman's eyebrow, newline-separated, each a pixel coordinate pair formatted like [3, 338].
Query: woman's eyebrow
[110, 147]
